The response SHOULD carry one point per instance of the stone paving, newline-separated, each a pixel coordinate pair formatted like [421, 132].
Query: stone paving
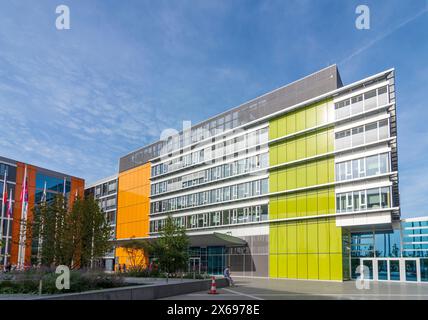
[282, 289]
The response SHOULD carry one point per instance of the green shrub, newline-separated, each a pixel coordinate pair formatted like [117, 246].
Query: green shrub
[28, 282]
[143, 272]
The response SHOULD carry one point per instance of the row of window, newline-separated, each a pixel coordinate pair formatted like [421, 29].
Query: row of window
[370, 132]
[362, 102]
[219, 172]
[107, 203]
[415, 224]
[111, 217]
[106, 189]
[238, 191]
[379, 244]
[54, 184]
[415, 231]
[187, 137]
[216, 218]
[50, 196]
[374, 198]
[363, 167]
[210, 129]
[416, 239]
[415, 246]
[230, 146]
[416, 253]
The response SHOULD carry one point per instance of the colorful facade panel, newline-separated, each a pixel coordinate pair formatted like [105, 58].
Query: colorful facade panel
[303, 170]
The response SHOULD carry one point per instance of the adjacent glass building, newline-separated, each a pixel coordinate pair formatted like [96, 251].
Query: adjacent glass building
[299, 183]
[20, 250]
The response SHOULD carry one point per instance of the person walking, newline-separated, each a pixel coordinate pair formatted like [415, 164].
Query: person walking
[229, 279]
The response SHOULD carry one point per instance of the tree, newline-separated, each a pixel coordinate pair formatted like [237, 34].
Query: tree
[95, 232]
[136, 252]
[74, 237]
[47, 230]
[171, 247]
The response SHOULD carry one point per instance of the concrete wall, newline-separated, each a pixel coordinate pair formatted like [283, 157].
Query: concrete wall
[145, 292]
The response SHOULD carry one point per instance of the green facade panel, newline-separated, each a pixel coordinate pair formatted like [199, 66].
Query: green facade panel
[304, 248]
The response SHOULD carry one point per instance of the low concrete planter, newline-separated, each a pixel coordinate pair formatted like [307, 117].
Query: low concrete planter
[140, 292]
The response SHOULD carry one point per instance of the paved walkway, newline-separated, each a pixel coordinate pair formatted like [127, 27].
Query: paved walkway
[281, 289]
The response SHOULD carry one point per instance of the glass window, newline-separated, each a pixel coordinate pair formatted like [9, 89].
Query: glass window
[385, 197]
[384, 163]
[362, 168]
[265, 186]
[363, 202]
[357, 104]
[264, 135]
[338, 206]
[342, 202]
[372, 165]
[226, 193]
[341, 171]
[370, 100]
[383, 129]
[382, 96]
[371, 132]
[355, 169]
[356, 201]
[424, 269]
[348, 170]
[343, 139]
[240, 191]
[373, 199]
[358, 136]
[342, 109]
[349, 207]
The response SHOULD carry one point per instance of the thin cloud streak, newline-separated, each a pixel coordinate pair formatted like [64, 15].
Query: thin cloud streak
[382, 36]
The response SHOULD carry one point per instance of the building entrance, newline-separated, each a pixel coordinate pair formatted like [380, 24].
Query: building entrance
[391, 269]
[195, 265]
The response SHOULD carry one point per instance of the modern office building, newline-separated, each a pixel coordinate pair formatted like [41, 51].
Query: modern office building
[105, 192]
[293, 184]
[19, 249]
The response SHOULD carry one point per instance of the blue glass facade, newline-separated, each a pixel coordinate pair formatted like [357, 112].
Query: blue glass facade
[400, 254]
[374, 244]
[54, 184]
[415, 239]
[211, 259]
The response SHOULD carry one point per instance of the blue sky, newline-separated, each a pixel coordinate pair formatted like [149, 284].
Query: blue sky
[76, 100]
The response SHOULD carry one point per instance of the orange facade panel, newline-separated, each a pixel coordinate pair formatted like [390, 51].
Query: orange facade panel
[133, 206]
[16, 222]
[77, 186]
